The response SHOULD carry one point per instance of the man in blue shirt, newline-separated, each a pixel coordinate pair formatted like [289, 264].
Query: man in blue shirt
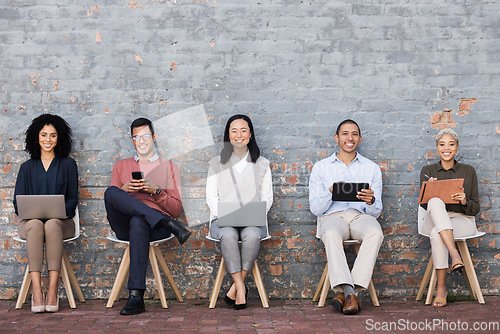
[339, 220]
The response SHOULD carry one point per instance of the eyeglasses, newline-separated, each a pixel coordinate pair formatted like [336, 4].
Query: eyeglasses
[145, 137]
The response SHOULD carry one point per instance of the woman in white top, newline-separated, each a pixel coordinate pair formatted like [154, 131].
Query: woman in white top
[238, 174]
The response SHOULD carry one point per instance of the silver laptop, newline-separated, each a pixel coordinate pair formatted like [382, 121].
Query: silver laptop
[235, 215]
[41, 206]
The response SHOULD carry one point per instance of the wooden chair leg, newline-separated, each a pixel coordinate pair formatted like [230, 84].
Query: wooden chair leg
[25, 288]
[67, 285]
[217, 284]
[123, 282]
[157, 275]
[469, 268]
[324, 289]
[432, 285]
[120, 278]
[371, 287]
[467, 280]
[320, 284]
[373, 294]
[72, 277]
[260, 285]
[166, 271]
[426, 278]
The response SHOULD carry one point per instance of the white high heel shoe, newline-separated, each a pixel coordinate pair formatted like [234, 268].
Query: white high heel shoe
[53, 308]
[37, 309]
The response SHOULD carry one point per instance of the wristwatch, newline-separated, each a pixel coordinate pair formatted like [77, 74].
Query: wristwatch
[373, 200]
[158, 191]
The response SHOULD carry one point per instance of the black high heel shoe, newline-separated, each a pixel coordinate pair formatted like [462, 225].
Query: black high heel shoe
[242, 306]
[229, 301]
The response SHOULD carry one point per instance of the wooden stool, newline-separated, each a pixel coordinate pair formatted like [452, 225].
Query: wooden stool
[157, 261]
[324, 283]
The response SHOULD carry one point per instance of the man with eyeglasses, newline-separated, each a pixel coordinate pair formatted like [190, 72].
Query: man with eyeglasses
[141, 204]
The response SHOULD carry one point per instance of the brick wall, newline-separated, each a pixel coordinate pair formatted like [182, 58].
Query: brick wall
[402, 69]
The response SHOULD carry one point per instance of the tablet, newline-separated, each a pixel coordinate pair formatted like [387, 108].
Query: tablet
[347, 191]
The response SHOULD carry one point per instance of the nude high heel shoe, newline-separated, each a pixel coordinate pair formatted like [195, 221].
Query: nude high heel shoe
[37, 309]
[53, 308]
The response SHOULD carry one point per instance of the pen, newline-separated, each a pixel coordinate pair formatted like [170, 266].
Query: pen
[427, 176]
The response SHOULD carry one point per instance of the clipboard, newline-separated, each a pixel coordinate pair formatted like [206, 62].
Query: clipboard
[442, 189]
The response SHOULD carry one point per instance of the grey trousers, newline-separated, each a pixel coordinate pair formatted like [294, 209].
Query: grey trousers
[235, 259]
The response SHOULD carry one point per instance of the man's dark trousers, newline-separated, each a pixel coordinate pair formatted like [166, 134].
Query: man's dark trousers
[136, 222]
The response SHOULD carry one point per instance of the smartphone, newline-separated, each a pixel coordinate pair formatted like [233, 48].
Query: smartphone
[137, 175]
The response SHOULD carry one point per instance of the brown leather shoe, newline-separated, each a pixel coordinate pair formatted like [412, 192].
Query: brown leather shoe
[351, 305]
[338, 302]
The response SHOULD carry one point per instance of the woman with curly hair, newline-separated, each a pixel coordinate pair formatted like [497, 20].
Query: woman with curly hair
[50, 171]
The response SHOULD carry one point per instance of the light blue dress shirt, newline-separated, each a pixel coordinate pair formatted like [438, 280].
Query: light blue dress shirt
[332, 169]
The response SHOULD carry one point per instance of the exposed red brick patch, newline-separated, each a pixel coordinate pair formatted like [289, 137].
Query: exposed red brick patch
[430, 155]
[474, 242]
[85, 193]
[486, 215]
[195, 180]
[322, 154]
[295, 167]
[294, 243]
[272, 243]
[4, 194]
[276, 270]
[292, 179]
[384, 166]
[465, 104]
[286, 232]
[412, 281]
[92, 8]
[495, 281]
[391, 269]
[443, 119]
[7, 168]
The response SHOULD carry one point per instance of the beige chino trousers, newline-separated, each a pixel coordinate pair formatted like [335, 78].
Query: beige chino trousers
[52, 233]
[333, 229]
[438, 219]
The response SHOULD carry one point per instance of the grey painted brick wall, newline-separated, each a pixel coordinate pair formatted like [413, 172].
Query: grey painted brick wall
[401, 69]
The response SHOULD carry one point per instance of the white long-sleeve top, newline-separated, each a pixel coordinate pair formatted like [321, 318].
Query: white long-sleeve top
[253, 180]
